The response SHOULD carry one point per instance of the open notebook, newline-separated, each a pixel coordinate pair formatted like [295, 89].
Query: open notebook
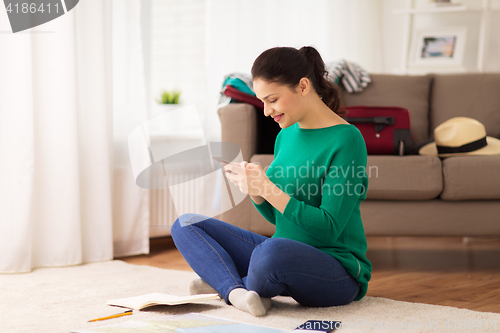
[144, 301]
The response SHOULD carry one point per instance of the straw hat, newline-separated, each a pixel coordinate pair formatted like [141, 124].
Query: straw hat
[461, 136]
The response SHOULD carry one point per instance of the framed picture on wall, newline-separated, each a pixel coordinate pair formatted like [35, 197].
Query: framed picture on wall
[439, 47]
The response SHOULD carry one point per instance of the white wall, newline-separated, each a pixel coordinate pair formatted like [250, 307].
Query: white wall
[393, 32]
[195, 43]
[238, 31]
[393, 35]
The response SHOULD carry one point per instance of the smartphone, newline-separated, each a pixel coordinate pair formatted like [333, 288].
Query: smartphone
[221, 160]
[319, 326]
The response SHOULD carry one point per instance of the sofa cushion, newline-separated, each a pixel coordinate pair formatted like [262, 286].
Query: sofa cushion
[409, 92]
[404, 177]
[395, 177]
[471, 177]
[466, 95]
[430, 218]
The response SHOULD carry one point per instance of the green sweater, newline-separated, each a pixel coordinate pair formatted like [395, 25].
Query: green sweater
[323, 171]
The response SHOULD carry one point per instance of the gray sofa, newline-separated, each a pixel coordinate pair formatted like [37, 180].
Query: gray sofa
[410, 195]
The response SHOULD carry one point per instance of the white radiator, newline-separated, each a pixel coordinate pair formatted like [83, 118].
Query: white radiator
[163, 211]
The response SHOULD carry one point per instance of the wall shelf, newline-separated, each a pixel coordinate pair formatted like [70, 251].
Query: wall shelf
[442, 9]
[436, 10]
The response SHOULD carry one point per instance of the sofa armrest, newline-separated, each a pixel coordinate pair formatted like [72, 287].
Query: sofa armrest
[239, 126]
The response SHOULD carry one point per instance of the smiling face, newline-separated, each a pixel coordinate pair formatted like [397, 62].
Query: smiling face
[281, 103]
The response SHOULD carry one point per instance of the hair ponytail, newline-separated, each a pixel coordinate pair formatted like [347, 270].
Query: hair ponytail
[324, 86]
[287, 65]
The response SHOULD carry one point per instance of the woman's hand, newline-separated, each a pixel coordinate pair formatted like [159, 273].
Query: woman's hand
[252, 180]
[249, 177]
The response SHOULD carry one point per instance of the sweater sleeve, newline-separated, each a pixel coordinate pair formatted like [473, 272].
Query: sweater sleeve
[266, 210]
[345, 184]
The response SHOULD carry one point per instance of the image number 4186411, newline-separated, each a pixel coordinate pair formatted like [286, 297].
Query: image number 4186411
[26, 14]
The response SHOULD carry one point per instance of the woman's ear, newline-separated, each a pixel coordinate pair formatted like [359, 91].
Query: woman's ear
[304, 86]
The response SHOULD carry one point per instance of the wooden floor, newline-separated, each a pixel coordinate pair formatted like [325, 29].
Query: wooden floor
[463, 273]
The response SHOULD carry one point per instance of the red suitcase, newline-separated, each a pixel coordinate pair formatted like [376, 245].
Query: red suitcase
[240, 96]
[386, 129]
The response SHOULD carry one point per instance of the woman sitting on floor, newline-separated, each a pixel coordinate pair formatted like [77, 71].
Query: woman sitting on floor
[311, 192]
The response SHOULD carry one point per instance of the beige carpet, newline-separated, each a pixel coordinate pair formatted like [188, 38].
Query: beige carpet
[64, 299]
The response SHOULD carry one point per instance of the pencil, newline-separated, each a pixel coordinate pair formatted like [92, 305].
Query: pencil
[126, 313]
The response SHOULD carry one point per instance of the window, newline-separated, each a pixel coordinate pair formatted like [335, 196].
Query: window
[174, 50]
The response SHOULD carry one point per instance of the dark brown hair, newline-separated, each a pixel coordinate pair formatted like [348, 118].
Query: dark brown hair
[287, 65]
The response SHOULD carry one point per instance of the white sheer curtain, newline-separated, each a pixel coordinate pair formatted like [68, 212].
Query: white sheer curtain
[59, 202]
[130, 203]
[239, 30]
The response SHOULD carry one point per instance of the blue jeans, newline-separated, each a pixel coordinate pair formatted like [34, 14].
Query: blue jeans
[227, 257]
